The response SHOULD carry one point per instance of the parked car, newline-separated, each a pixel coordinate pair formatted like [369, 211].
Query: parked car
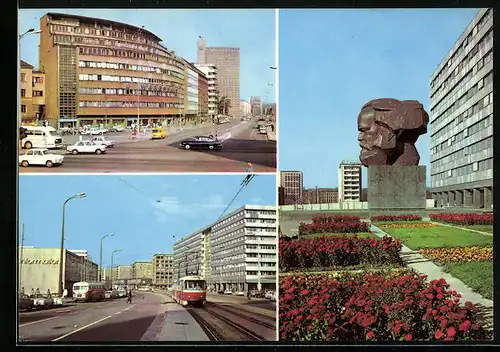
[228, 292]
[257, 294]
[40, 157]
[108, 294]
[42, 302]
[274, 297]
[58, 301]
[269, 294]
[202, 142]
[220, 292]
[239, 293]
[262, 130]
[86, 147]
[25, 302]
[103, 140]
[116, 128]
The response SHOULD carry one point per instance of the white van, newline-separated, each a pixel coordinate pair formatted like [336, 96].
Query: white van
[41, 137]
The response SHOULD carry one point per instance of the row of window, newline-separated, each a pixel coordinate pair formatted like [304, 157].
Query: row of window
[480, 24]
[119, 91]
[127, 79]
[488, 99]
[127, 53]
[470, 149]
[471, 130]
[486, 40]
[123, 66]
[132, 104]
[462, 82]
[106, 32]
[36, 93]
[486, 164]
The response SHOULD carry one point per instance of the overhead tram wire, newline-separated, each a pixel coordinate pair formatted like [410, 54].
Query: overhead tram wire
[244, 183]
[137, 190]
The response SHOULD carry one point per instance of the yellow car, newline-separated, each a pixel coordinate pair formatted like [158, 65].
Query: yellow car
[159, 133]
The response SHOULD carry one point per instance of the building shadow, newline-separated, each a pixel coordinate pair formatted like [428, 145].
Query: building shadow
[108, 331]
[257, 152]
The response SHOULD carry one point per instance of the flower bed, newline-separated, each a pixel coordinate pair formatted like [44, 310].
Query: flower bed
[333, 227]
[407, 217]
[338, 218]
[338, 251]
[373, 307]
[407, 226]
[458, 254]
[463, 219]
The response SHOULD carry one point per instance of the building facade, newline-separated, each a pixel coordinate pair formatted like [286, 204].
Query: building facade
[350, 181]
[245, 108]
[320, 195]
[461, 119]
[142, 269]
[210, 72]
[124, 272]
[192, 92]
[32, 94]
[39, 269]
[102, 72]
[163, 270]
[256, 106]
[202, 96]
[238, 252]
[269, 110]
[227, 61]
[293, 186]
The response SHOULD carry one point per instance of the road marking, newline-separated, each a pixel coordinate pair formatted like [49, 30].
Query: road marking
[117, 313]
[38, 321]
[80, 329]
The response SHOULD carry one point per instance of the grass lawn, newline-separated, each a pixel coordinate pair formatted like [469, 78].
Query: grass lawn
[361, 234]
[477, 275]
[437, 237]
[483, 228]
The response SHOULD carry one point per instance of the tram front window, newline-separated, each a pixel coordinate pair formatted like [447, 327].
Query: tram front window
[196, 285]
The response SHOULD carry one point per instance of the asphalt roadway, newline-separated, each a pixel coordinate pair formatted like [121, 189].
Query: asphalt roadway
[114, 320]
[243, 145]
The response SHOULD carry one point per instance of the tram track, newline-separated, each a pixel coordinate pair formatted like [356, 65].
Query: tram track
[262, 320]
[210, 320]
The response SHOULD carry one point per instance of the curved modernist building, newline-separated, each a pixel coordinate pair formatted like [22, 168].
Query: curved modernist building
[105, 72]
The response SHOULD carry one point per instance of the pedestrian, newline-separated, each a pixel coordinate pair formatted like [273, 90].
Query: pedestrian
[48, 292]
[248, 294]
[129, 298]
[65, 293]
[32, 292]
[37, 291]
[249, 167]
[134, 133]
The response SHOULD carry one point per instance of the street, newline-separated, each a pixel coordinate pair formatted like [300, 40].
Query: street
[242, 144]
[154, 318]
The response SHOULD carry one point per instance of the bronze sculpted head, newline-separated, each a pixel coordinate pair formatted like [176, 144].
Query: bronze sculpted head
[388, 130]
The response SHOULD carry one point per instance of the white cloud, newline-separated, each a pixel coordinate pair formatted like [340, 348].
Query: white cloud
[214, 202]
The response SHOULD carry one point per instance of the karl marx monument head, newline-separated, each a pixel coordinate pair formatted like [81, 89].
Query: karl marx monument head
[388, 130]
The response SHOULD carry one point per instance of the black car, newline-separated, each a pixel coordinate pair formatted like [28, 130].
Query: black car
[202, 142]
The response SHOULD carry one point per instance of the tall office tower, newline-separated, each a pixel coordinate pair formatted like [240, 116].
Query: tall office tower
[293, 185]
[227, 60]
[461, 119]
[349, 181]
[256, 106]
[210, 72]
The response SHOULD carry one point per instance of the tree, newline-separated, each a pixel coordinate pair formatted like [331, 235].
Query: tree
[223, 105]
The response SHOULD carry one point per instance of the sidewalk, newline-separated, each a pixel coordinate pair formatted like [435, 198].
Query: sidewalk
[423, 265]
[179, 325]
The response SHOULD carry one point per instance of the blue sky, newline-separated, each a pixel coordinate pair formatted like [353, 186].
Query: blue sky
[253, 31]
[128, 207]
[334, 61]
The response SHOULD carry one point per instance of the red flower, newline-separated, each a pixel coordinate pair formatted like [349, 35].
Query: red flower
[444, 323]
[439, 334]
[408, 337]
[304, 292]
[451, 331]
[370, 335]
[430, 296]
[464, 326]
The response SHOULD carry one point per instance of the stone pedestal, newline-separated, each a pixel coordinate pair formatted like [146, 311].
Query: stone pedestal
[393, 188]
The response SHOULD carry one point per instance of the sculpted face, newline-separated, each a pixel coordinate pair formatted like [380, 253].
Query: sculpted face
[371, 139]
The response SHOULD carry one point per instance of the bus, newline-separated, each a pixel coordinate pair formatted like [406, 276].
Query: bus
[190, 290]
[89, 291]
[41, 137]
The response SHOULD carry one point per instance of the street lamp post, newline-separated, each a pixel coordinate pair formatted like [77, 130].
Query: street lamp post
[100, 255]
[61, 256]
[112, 271]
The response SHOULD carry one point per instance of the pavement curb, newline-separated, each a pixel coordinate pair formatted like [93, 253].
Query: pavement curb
[154, 330]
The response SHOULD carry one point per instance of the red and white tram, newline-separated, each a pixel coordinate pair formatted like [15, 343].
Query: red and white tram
[190, 290]
[89, 291]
